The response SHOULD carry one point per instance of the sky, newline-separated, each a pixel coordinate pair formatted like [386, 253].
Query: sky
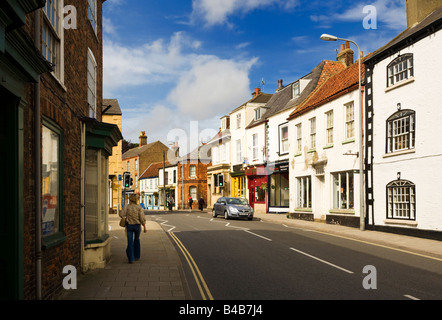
[177, 66]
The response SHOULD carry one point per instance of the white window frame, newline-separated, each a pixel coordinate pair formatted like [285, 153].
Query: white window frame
[296, 90]
[238, 151]
[238, 121]
[343, 194]
[329, 123]
[53, 37]
[92, 84]
[349, 120]
[299, 137]
[401, 131]
[400, 69]
[258, 113]
[192, 171]
[255, 146]
[283, 141]
[312, 123]
[92, 13]
[401, 200]
[304, 196]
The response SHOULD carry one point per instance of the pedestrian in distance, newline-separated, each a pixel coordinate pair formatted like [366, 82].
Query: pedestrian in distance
[170, 202]
[190, 203]
[134, 215]
[201, 203]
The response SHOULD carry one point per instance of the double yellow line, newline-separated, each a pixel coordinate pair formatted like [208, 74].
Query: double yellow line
[201, 283]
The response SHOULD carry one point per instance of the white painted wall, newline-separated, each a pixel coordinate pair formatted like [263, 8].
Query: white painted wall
[423, 166]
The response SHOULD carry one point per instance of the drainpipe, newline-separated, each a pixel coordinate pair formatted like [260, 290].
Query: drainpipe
[37, 178]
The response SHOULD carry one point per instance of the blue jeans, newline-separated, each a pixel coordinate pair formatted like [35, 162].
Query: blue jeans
[133, 250]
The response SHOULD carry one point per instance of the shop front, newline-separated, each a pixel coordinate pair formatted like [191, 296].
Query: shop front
[278, 194]
[238, 185]
[257, 187]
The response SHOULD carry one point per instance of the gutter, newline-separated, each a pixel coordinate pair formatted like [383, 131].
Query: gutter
[37, 178]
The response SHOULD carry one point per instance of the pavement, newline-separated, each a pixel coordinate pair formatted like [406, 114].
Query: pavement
[159, 274]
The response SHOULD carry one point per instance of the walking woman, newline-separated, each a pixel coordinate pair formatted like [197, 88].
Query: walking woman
[134, 215]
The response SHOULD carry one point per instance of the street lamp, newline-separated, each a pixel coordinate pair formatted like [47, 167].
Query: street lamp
[327, 37]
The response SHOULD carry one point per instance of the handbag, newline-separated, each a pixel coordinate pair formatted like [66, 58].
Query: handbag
[123, 222]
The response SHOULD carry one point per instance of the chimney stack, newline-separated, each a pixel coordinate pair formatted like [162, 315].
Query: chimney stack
[143, 139]
[418, 10]
[346, 55]
[280, 85]
[257, 92]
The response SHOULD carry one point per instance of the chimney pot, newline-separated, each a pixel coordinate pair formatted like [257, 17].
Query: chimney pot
[257, 91]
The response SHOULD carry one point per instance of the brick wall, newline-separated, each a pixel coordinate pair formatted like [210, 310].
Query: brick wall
[65, 105]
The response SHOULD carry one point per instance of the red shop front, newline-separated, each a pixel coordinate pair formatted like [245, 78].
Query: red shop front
[257, 184]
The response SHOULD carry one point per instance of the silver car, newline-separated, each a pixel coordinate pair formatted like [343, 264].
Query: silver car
[232, 208]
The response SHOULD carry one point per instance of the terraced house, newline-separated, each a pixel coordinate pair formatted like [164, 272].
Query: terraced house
[51, 88]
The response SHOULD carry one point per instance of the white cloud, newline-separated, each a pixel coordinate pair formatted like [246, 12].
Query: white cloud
[216, 12]
[392, 13]
[213, 86]
[198, 87]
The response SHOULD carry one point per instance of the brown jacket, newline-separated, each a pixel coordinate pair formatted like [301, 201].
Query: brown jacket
[134, 214]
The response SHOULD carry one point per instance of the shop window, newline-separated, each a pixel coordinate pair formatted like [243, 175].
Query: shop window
[343, 190]
[279, 190]
[52, 179]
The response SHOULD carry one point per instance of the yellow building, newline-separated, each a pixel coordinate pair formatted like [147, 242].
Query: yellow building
[112, 114]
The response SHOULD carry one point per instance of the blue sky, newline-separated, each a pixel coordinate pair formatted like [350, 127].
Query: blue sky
[177, 66]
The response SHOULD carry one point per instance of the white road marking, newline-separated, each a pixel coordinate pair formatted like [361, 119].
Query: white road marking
[258, 235]
[410, 297]
[323, 261]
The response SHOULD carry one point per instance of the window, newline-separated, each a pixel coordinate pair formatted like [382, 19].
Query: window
[52, 35]
[304, 192]
[257, 113]
[400, 69]
[329, 127]
[193, 193]
[128, 166]
[343, 190]
[174, 176]
[296, 90]
[349, 121]
[52, 184]
[238, 121]
[312, 133]
[223, 124]
[279, 190]
[401, 131]
[299, 138]
[92, 84]
[92, 13]
[96, 202]
[401, 200]
[284, 138]
[238, 151]
[192, 170]
[136, 165]
[260, 194]
[255, 146]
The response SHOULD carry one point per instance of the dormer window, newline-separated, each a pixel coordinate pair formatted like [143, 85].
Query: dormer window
[257, 113]
[223, 124]
[296, 90]
[400, 69]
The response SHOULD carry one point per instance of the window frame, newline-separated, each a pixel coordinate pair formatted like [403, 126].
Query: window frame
[57, 237]
[301, 193]
[390, 145]
[255, 153]
[92, 91]
[350, 121]
[349, 194]
[299, 138]
[283, 141]
[192, 175]
[312, 124]
[329, 125]
[53, 37]
[92, 14]
[392, 69]
[390, 205]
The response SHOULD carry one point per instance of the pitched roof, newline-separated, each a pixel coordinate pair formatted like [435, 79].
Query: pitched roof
[342, 82]
[111, 107]
[152, 170]
[139, 150]
[260, 98]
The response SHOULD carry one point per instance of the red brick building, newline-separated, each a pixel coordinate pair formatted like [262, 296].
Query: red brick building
[192, 177]
[51, 67]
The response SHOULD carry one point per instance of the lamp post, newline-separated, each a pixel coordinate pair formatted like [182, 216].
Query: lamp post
[327, 37]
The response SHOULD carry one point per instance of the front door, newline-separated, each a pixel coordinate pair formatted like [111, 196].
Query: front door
[11, 246]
